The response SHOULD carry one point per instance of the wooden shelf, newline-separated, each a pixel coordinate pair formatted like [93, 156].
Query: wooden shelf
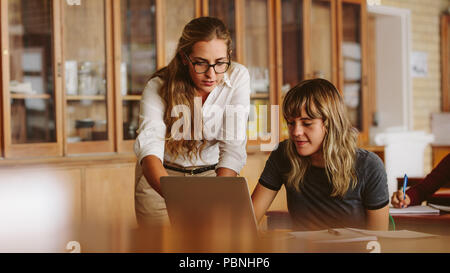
[94, 97]
[259, 96]
[132, 97]
[352, 81]
[30, 96]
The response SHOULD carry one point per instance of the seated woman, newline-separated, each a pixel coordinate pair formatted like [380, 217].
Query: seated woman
[329, 181]
[423, 190]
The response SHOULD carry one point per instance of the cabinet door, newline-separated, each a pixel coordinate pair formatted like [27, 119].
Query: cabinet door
[259, 58]
[88, 84]
[138, 61]
[226, 10]
[294, 18]
[176, 15]
[322, 41]
[30, 99]
[292, 27]
[352, 65]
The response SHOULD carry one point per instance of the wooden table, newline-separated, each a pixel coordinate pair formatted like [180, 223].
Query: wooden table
[435, 224]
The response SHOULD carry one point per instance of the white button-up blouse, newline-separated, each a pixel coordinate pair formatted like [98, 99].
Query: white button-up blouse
[224, 113]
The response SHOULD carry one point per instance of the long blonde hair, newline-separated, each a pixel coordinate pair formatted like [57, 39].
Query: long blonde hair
[321, 99]
[178, 87]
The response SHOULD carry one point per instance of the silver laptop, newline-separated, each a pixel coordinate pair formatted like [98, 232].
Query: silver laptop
[209, 205]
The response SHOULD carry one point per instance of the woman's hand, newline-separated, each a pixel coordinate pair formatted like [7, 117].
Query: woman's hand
[398, 201]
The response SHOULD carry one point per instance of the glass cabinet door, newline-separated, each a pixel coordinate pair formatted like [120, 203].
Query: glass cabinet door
[138, 58]
[293, 50]
[351, 57]
[86, 90]
[177, 15]
[292, 40]
[225, 11]
[28, 77]
[257, 61]
[321, 40]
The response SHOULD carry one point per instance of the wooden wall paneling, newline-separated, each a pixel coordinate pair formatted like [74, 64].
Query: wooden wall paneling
[109, 201]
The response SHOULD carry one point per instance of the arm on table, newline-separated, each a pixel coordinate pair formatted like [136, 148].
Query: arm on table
[262, 197]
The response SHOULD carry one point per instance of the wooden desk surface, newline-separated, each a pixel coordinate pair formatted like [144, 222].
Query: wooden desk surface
[435, 224]
[275, 241]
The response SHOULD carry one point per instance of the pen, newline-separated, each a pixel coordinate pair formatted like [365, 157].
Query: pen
[405, 183]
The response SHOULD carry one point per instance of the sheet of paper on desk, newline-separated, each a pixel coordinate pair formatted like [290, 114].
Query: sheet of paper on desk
[414, 210]
[440, 207]
[397, 234]
[339, 235]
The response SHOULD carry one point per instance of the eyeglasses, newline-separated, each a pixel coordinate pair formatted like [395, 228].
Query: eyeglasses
[203, 67]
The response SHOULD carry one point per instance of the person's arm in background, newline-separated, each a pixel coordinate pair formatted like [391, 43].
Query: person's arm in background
[423, 190]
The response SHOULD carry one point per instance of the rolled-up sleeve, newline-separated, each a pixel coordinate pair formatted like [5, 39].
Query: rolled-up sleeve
[232, 145]
[151, 131]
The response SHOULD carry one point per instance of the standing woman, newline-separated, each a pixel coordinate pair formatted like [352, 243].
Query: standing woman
[329, 181]
[204, 85]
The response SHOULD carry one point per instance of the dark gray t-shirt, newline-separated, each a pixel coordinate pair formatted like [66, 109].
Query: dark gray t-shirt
[313, 207]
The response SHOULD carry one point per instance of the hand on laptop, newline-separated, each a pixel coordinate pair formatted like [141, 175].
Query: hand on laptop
[398, 201]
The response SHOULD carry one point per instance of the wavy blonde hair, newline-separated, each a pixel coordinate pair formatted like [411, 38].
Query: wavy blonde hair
[178, 87]
[320, 99]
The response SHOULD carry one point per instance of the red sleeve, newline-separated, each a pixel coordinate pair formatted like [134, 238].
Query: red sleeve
[432, 182]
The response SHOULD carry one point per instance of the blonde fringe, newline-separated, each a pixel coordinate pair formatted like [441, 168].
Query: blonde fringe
[339, 144]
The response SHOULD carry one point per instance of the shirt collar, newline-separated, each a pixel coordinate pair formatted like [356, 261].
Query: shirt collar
[226, 79]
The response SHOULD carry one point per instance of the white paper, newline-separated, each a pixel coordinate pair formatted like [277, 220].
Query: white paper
[419, 64]
[413, 210]
[440, 207]
[397, 234]
[342, 235]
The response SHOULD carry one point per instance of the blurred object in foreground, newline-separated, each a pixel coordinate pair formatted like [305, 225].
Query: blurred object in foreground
[39, 211]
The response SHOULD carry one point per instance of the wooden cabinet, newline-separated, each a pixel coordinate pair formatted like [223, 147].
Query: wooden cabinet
[73, 74]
